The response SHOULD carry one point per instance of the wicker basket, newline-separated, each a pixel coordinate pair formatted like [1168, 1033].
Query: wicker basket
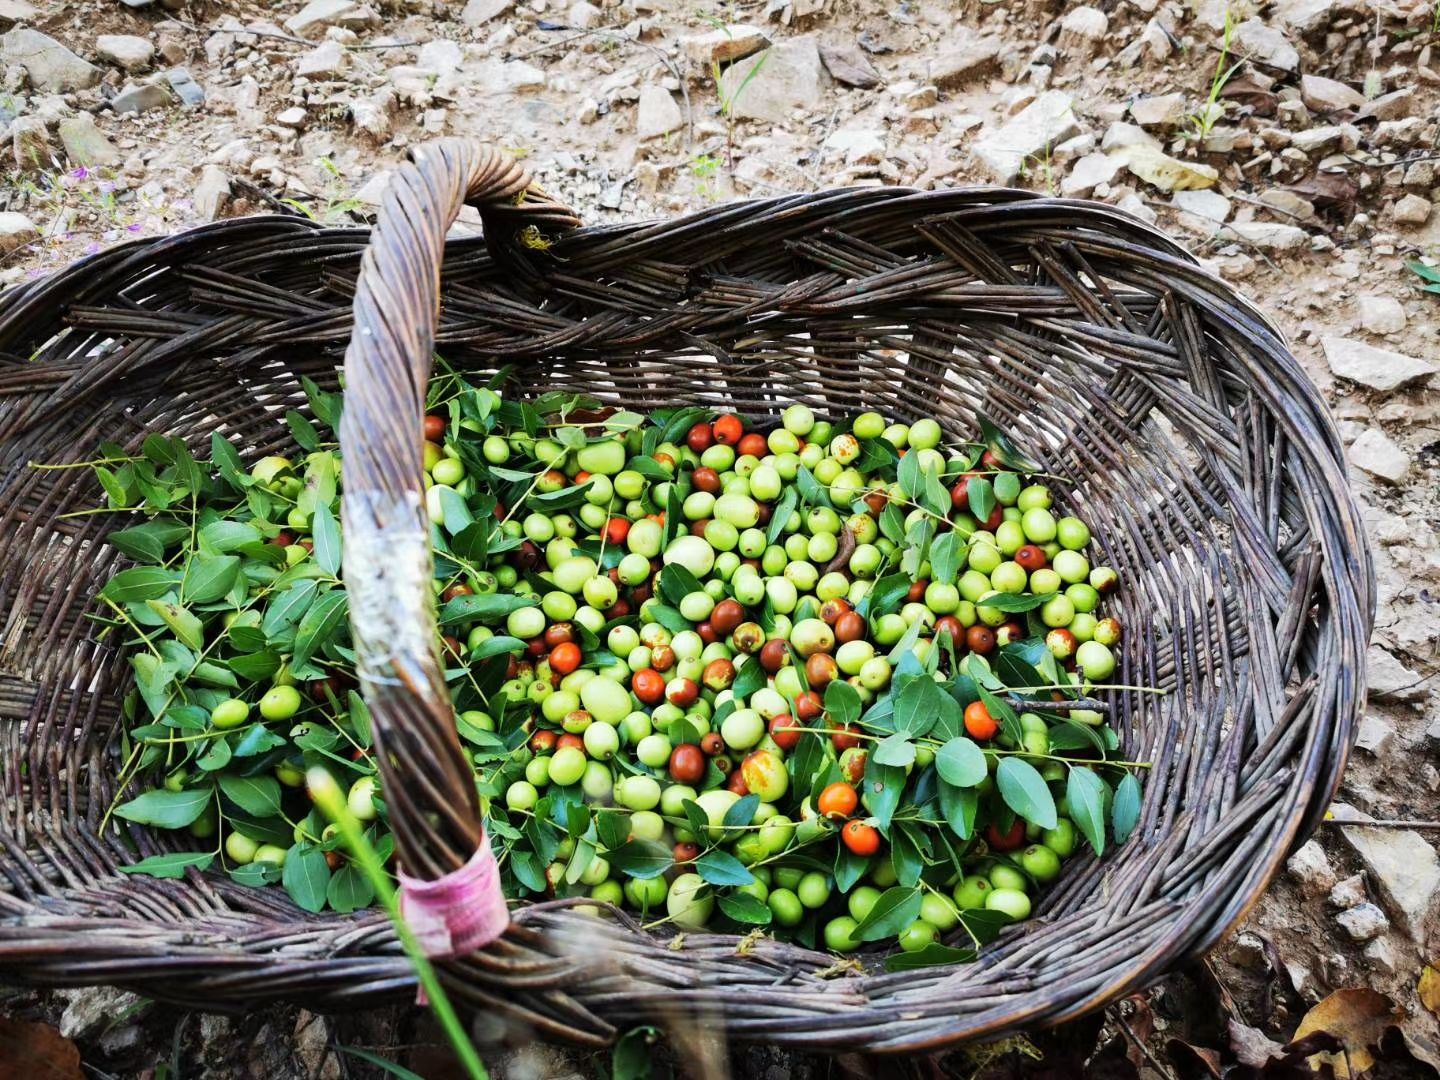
[1181, 427]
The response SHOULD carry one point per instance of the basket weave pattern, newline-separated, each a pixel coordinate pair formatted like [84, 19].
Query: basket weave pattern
[1169, 410]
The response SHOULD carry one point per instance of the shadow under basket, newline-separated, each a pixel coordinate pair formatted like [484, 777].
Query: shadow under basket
[1169, 410]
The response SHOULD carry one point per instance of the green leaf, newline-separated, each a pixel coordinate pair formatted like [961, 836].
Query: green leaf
[1000, 445]
[804, 763]
[945, 555]
[325, 531]
[1085, 797]
[306, 876]
[186, 626]
[255, 875]
[147, 543]
[225, 536]
[894, 749]
[959, 805]
[115, 489]
[349, 889]
[1125, 812]
[811, 490]
[741, 812]
[910, 476]
[326, 406]
[256, 740]
[917, 545]
[255, 666]
[887, 595]
[1428, 273]
[256, 795]
[209, 577]
[642, 859]
[1013, 602]
[932, 955]
[884, 784]
[896, 909]
[285, 610]
[981, 495]
[140, 583]
[960, 762]
[612, 830]
[721, 868]
[304, 433]
[748, 679]
[166, 809]
[781, 514]
[744, 908]
[216, 757]
[482, 607]
[892, 523]
[849, 868]
[842, 702]
[918, 705]
[905, 854]
[495, 646]
[676, 583]
[633, 1056]
[319, 624]
[227, 461]
[985, 925]
[1025, 791]
[170, 865]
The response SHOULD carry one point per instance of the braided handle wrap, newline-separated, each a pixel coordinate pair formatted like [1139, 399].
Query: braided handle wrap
[427, 780]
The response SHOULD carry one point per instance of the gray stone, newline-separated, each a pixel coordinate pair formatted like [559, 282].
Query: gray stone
[1047, 120]
[1314, 140]
[441, 57]
[1381, 314]
[860, 146]
[1388, 678]
[1267, 236]
[1310, 866]
[1379, 369]
[1328, 95]
[292, 117]
[1376, 735]
[1288, 204]
[326, 60]
[1082, 30]
[583, 15]
[849, 66]
[313, 19]
[49, 66]
[16, 230]
[1363, 922]
[790, 76]
[140, 97]
[1346, 894]
[1376, 453]
[1396, 105]
[1088, 173]
[657, 113]
[1160, 110]
[1209, 206]
[190, 92]
[1411, 210]
[212, 193]
[1381, 955]
[13, 11]
[1159, 170]
[85, 144]
[1121, 134]
[31, 141]
[479, 12]
[91, 1009]
[966, 62]
[130, 52]
[1261, 41]
[518, 75]
[724, 45]
[1307, 16]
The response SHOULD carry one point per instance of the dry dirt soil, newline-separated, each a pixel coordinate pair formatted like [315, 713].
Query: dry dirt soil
[1295, 153]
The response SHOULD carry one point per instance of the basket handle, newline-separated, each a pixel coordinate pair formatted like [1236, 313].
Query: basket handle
[427, 781]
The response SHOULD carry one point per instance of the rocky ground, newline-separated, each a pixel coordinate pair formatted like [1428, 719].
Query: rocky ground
[1294, 148]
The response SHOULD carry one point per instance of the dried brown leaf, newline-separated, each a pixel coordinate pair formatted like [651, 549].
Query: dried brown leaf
[1429, 988]
[1193, 1062]
[1358, 1017]
[36, 1052]
[1250, 92]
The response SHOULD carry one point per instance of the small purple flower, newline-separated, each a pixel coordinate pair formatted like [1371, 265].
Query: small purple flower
[80, 173]
[92, 248]
[134, 226]
[107, 186]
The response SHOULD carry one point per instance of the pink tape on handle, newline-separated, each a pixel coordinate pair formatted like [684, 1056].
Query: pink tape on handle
[458, 913]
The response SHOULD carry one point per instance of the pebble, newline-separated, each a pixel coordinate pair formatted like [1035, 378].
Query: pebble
[1363, 922]
[657, 113]
[292, 117]
[584, 15]
[1396, 105]
[1387, 678]
[791, 78]
[1317, 139]
[1088, 173]
[212, 193]
[1379, 369]
[313, 19]
[1381, 955]
[479, 12]
[1376, 735]
[1381, 314]
[1404, 869]
[724, 45]
[16, 230]
[1310, 866]
[1160, 110]
[140, 97]
[1376, 453]
[1005, 150]
[1348, 893]
[84, 143]
[1411, 209]
[128, 51]
[970, 60]
[1329, 95]
[849, 66]
[326, 60]
[50, 66]
[1260, 41]
[1082, 31]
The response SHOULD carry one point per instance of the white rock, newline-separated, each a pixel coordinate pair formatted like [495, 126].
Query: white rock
[130, 52]
[1379, 369]
[1412, 210]
[314, 17]
[85, 144]
[1314, 140]
[790, 76]
[16, 230]
[1387, 677]
[725, 44]
[1306, 16]
[1381, 314]
[479, 12]
[13, 11]
[1363, 922]
[1376, 453]
[1396, 105]
[1376, 735]
[970, 59]
[90, 1009]
[292, 117]
[50, 66]
[326, 60]
[1310, 866]
[1381, 955]
[1166, 173]
[1047, 120]
[657, 114]
[1213, 207]
[583, 15]
[440, 57]
[1262, 41]
[1121, 134]
[519, 75]
[1160, 110]
[1088, 173]
[1267, 236]
[860, 146]
[212, 192]
[1348, 893]
[1082, 30]
[1328, 95]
